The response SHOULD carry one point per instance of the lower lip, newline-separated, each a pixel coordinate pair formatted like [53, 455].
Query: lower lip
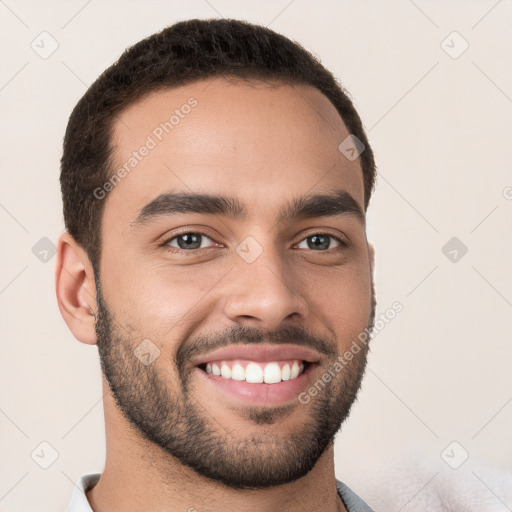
[260, 394]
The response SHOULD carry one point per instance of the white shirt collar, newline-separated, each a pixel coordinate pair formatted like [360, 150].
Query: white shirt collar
[79, 502]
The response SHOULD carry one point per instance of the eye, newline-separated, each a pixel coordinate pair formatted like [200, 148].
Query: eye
[321, 241]
[187, 241]
[190, 241]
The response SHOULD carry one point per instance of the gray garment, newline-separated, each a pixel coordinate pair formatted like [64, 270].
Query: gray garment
[352, 502]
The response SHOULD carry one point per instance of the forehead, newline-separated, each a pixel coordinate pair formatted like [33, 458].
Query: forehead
[264, 145]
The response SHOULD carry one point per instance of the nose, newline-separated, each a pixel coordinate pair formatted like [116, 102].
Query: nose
[264, 293]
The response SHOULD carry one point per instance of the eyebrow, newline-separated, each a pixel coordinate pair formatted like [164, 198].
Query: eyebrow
[339, 203]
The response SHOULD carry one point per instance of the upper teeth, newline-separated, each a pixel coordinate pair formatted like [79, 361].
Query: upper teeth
[253, 372]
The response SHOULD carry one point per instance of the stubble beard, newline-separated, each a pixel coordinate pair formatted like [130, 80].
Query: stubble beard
[169, 416]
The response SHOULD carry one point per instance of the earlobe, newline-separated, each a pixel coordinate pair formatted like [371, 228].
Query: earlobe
[75, 289]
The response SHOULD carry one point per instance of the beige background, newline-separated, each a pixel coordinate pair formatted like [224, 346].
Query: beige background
[440, 128]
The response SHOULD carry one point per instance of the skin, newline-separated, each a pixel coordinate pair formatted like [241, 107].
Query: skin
[264, 146]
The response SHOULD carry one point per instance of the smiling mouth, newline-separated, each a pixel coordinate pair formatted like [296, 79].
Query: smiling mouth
[256, 372]
[262, 375]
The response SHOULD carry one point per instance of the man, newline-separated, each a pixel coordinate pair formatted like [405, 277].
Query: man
[215, 182]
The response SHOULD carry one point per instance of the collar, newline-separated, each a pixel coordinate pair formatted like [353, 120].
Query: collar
[79, 502]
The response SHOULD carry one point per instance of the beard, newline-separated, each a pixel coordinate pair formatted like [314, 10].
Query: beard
[162, 407]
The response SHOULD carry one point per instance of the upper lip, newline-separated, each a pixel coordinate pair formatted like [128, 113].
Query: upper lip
[260, 353]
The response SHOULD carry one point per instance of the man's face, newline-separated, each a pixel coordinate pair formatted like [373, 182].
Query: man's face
[254, 294]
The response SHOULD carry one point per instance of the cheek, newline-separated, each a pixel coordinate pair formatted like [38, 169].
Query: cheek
[161, 299]
[342, 300]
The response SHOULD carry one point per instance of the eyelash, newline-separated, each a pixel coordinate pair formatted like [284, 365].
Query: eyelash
[175, 250]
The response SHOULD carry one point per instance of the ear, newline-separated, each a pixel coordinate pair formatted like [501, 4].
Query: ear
[371, 253]
[76, 289]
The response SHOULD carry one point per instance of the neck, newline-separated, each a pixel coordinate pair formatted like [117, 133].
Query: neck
[139, 475]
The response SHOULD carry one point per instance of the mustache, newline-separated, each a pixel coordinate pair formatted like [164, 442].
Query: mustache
[243, 335]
